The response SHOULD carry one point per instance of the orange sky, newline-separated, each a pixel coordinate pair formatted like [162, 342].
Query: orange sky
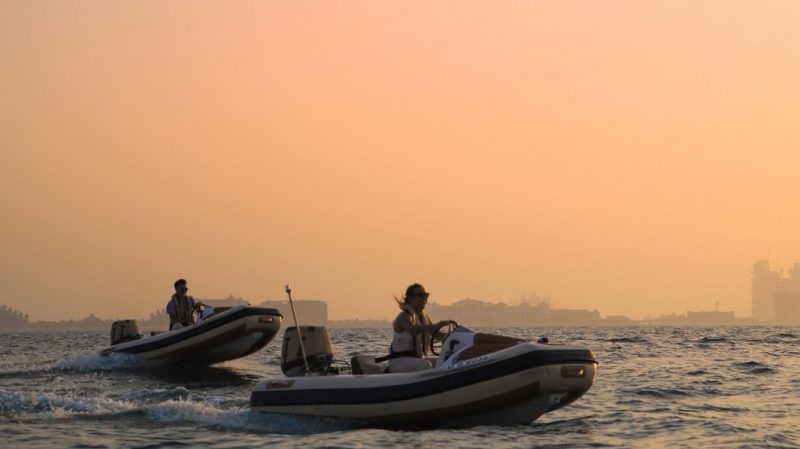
[632, 157]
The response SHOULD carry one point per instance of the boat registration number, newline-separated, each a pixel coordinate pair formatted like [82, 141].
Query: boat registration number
[470, 362]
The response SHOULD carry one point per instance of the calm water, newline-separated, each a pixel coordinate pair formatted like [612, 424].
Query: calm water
[656, 387]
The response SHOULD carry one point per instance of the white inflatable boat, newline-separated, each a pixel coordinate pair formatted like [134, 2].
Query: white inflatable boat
[478, 379]
[227, 334]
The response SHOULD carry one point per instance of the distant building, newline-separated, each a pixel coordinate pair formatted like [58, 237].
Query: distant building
[159, 320]
[711, 317]
[617, 319]
[479, 313]
[787, 307]
[574, 316]
[767, 284]
[764, 285]
[309, 311]
[701, 318]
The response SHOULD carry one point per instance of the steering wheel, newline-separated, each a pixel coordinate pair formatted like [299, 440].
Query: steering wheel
[446, 328]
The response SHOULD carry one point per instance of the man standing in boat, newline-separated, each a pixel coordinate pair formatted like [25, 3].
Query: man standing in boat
[413, 331]
[181, 307]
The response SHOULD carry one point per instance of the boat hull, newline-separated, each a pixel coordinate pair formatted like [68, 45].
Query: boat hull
[510, 387]
[232, 334]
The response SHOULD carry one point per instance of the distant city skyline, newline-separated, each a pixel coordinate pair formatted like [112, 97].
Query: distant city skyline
[765, 282]
[531, 298]
[468, 311]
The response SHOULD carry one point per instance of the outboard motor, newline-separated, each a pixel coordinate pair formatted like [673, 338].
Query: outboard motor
[319, 351]
[124, 330]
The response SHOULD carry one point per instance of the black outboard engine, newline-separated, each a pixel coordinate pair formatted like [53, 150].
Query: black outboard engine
[124, 330]
[319, 352]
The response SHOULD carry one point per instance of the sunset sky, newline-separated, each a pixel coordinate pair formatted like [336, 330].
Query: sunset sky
[631, 157]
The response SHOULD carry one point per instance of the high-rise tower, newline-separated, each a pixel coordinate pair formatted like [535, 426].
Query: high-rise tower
[765, 284]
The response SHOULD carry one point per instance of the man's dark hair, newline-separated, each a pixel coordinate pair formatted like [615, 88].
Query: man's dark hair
[411, 289]
[179, 282]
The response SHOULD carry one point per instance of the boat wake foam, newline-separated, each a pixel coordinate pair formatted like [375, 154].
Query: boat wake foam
[24, 405]
[96, 362]
[166, 406]
[238, 418]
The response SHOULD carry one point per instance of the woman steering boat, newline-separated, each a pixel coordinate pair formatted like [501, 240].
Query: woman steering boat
[413, 332]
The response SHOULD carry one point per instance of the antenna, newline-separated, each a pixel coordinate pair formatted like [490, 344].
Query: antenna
[297, 326]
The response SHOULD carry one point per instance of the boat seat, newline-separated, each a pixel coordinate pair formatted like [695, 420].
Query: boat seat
[487, 343]
[365, 364]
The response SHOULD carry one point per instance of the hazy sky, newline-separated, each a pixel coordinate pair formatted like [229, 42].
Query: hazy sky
[632, 157]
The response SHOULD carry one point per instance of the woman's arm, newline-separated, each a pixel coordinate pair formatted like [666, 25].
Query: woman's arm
[403, 324]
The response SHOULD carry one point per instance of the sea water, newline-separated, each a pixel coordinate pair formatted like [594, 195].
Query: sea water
[656, 387]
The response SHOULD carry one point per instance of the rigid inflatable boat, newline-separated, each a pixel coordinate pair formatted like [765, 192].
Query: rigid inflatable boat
[226, 334]
[477, 379]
